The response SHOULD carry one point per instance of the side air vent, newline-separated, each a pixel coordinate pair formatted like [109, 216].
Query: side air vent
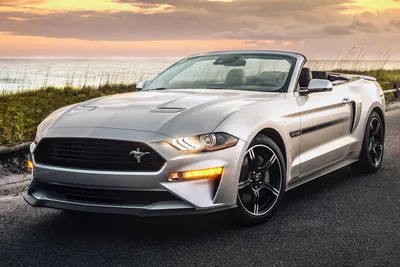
[356, 107]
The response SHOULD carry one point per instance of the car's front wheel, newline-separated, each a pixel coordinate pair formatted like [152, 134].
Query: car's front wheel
[262, 181]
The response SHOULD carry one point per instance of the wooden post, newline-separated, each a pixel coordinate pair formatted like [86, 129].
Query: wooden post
[397, 93]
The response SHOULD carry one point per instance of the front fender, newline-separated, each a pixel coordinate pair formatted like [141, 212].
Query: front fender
[282, 115]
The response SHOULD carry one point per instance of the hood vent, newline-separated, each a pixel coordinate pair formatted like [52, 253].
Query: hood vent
[167, 110]
[84, 108]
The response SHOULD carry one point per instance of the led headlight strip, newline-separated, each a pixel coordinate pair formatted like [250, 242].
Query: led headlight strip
[204, 142]
[185, 144]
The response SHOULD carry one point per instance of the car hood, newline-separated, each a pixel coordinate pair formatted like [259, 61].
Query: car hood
[175, 113]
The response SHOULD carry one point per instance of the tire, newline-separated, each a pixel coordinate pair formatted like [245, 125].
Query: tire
[372, 151]
[263, 180]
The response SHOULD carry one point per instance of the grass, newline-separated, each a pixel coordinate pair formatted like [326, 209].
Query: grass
[21, 113]
[22, 78]
[386, 78]
[354, 60]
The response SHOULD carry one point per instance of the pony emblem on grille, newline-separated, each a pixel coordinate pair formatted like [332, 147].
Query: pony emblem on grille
[138, 155]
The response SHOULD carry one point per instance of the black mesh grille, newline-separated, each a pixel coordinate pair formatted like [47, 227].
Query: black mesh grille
[97, 154]
[104, 196]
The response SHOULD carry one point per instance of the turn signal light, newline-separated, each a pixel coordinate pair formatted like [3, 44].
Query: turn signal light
[30, 165]
[197, 174]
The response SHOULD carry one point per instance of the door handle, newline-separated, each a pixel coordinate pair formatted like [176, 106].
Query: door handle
[346, 101]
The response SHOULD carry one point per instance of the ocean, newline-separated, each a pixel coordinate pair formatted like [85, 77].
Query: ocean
[28, 74]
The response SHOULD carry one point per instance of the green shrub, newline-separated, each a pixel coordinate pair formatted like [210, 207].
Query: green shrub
[386, 78]
[21, 113]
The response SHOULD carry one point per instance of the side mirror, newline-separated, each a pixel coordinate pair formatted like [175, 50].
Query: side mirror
[317, 85]
[142, 84]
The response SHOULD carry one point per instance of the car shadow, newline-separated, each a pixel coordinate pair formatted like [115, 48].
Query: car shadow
[176, 228]
[323, 185]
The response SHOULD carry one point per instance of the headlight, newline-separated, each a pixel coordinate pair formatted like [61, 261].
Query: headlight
[204, 142]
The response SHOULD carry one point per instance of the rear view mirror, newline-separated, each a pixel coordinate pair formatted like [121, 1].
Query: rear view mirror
[230, 60]
[142, 84]
[237, 63]
[317, 85]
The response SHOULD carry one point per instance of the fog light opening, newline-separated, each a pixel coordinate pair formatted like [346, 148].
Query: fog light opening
[211, 173]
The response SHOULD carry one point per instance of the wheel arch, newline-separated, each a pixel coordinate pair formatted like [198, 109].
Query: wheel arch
[277, 138]
[363, 165]
[379, 109]
[381, 115]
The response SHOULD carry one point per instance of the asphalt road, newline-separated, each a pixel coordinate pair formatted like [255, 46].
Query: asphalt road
[342, 219]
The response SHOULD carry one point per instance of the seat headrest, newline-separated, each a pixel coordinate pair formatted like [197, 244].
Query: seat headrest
[235, 77]
[305, 77]
[320, 75]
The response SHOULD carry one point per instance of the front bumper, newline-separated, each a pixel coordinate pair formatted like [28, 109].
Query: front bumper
[161, 209]
[197, 196]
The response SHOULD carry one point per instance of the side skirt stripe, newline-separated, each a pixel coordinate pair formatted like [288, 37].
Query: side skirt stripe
[317, 127]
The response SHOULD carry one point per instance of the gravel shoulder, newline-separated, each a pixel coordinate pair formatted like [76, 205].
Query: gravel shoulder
[14, 184]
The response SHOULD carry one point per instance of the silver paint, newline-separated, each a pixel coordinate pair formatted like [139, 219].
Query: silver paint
[146, 116]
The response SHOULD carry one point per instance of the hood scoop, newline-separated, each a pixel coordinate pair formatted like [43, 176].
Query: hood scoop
[167, 110]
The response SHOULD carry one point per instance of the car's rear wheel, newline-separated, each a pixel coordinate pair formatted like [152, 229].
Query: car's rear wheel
[262, 181]
[373, 146]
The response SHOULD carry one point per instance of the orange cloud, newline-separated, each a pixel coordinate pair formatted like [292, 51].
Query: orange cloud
[287, 43]
[132, 27]
[49, 6]
[55, 47]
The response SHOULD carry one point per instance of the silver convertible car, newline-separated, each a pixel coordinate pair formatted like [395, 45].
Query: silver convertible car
[215, 131]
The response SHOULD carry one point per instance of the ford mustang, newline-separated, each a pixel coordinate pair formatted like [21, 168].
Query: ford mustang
[215, 131]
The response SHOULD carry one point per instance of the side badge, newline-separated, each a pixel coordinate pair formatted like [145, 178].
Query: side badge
[295, 134]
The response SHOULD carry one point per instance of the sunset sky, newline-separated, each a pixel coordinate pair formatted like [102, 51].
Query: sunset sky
[321, 29]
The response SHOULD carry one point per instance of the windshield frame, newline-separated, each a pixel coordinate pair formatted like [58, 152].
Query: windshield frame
[292, 58]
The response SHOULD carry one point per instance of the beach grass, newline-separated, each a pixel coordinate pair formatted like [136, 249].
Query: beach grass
[388, 79]
[22, 111]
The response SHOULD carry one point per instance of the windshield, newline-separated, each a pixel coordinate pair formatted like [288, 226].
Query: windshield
[263, 72]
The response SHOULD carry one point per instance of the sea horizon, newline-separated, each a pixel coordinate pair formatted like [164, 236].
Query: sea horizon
[20, 74]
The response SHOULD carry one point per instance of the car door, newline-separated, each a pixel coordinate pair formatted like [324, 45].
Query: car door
[325, 128]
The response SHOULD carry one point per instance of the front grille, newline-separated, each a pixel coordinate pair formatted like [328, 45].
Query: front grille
[103, 196]
[97, 154]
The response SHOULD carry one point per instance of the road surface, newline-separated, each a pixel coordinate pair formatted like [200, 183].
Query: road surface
[342, 219]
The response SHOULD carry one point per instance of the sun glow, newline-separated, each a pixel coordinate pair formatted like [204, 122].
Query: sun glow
[374, 6]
